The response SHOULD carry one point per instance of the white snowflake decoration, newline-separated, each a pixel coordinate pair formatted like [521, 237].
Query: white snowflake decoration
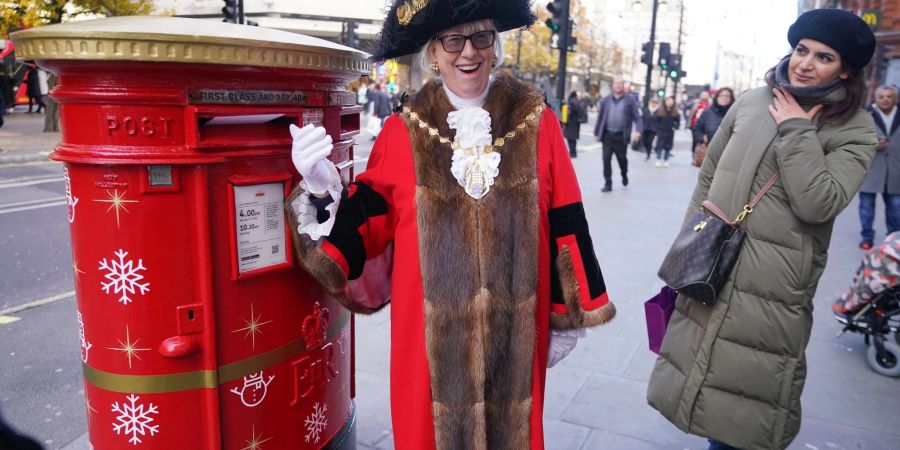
[134, 419]
[316, 423]
[123, 277]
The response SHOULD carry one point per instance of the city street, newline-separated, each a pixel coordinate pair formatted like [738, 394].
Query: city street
[595, 397]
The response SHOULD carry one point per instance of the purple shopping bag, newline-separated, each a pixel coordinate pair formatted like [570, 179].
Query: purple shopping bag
[658, 309]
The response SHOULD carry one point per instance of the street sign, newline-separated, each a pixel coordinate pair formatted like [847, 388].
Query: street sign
[872, 17]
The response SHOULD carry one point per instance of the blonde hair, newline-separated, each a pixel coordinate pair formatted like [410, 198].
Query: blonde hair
[422, 60]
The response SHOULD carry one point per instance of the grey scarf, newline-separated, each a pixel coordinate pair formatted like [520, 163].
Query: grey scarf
[807, 92]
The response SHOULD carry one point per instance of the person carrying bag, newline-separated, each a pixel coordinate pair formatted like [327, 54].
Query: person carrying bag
[733, 369]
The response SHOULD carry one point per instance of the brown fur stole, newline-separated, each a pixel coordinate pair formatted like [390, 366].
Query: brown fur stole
[479, 273]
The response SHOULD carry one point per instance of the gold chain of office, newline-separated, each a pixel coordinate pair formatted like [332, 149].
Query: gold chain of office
[498, 142]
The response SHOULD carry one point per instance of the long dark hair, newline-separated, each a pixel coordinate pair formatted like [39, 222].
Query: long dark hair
[664, 111]
[839, 113]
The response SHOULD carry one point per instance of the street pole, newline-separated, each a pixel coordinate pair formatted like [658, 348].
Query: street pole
[240, 11]
[680, 31]
[563, 55]
[519, 55]
[647, 88]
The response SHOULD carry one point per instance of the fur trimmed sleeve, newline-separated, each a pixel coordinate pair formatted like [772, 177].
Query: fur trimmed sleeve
[577, 290]
[354, 261]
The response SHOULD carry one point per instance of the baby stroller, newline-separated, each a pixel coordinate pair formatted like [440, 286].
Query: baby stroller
[872, 306]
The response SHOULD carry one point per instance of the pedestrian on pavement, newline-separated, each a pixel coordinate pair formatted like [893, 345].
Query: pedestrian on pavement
[710, 119]
[649, 127]
[471, 192]
[2, 110]
[686, 105]
[701, 104]
[382, 103]
[617, 112]
[733, 370]
[370, 98]
[361, 91]
[6, 90]
[575, 116]
[666, 120]
[33, 90]
[884, 175]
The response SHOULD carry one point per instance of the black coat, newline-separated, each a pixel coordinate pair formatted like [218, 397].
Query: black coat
[709, 121]
[33, 88]
[649, 123]
[665, 128]
[577, 114]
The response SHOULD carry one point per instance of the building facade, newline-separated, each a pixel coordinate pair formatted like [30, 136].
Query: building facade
[627, 23]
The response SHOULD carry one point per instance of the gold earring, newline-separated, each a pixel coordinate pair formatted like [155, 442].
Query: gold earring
[435, 68]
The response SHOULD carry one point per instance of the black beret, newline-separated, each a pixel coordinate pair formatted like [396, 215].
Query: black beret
[841, 30]
[411, 23]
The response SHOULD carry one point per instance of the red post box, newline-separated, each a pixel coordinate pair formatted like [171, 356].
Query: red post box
[198, 329]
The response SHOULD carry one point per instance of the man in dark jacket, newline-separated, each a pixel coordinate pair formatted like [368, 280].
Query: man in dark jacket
[382, 103]
[884, 174]
[617, 113]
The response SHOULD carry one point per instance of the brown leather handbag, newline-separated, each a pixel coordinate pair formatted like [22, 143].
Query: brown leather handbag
[699, 153]
[706, 249]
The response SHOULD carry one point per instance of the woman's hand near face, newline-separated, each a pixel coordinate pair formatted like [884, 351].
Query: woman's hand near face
[785, 106]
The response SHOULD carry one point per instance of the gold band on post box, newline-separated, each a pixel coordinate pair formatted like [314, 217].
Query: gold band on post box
[203, 379]
[149, 384]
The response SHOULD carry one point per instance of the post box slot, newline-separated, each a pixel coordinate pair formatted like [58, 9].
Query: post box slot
[244, 130]
[350, 121]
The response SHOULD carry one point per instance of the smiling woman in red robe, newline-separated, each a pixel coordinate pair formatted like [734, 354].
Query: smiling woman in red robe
[470, 190]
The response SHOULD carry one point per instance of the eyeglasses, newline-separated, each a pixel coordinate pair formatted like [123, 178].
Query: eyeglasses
[454, 43]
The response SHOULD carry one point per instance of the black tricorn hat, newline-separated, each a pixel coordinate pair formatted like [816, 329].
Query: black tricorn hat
[411, 23]
[841, 30]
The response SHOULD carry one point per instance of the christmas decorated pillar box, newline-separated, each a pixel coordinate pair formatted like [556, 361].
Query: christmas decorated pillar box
[198, 328]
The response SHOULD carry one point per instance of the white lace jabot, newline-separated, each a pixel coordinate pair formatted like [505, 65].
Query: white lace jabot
[474, 163]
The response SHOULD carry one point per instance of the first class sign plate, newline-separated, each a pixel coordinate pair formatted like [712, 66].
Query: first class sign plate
[246, 97]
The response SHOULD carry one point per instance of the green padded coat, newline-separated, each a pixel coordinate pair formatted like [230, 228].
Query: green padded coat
[734, 371]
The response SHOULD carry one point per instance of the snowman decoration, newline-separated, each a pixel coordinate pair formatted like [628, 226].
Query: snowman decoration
[254, 390]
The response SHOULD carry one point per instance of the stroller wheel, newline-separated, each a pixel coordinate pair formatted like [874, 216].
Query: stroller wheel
[888, 363]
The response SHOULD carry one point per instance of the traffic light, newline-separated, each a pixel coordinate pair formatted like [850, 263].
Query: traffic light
[572, 40]
[647, 55]
[665, 55]
[351, 39]
[230, 11]
[556, 9]
[661, 93]
[675, 67]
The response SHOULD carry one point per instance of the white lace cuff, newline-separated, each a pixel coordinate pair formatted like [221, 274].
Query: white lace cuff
[306, 211]
[576, 333]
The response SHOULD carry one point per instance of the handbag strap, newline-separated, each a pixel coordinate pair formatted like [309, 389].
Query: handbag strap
[748, 208]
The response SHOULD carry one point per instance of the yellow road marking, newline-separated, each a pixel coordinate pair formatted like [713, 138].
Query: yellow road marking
[8, 319]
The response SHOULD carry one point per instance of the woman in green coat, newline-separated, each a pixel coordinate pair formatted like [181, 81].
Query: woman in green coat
[733, 371]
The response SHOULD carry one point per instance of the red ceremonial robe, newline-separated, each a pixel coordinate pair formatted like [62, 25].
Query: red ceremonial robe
[476, 284]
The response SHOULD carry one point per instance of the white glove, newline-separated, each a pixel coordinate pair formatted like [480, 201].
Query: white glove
[309, 154]
[561, 344]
